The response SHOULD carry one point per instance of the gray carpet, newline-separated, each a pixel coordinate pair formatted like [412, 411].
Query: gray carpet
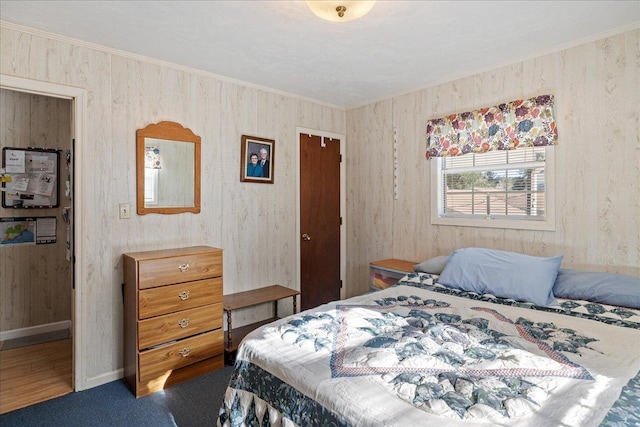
[193, 403]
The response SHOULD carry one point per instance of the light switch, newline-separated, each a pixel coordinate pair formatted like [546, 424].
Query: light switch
[125, 212]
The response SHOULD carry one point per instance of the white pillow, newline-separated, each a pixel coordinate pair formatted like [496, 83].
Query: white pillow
[433, 265]
[503, 274]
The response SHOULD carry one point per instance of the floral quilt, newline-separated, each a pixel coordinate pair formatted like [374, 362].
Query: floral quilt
[418, 353]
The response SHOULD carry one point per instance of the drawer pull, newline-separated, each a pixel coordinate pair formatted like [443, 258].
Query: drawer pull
[184, 322]
[183, 267]
[184, 295]
[185, 351]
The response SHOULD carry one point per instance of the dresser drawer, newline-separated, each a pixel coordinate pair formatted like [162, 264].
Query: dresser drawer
[169, 327]
[179, 269]
[159, 361]
[183, 296]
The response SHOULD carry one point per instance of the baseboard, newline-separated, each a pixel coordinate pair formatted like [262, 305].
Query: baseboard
[35, 330]
[103, 379]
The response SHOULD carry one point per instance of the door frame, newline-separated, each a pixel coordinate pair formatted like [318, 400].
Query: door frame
[78, 98]
[343, 203]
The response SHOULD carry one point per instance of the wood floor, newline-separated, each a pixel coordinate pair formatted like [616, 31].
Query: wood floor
[34, 373]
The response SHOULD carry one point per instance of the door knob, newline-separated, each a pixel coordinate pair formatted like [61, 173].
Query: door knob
[306, 237]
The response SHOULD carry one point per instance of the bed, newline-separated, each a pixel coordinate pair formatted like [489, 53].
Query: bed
[424, 353]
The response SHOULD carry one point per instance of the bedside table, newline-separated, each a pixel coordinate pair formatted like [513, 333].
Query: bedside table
[387, 272]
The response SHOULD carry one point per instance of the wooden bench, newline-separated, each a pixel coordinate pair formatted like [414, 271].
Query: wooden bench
[247, 299]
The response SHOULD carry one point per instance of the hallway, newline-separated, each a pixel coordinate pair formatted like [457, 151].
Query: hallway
[34, 373]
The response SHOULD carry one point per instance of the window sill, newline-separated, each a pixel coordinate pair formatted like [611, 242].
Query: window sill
[547, 225]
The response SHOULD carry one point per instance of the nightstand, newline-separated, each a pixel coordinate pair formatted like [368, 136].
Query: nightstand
[387, 272]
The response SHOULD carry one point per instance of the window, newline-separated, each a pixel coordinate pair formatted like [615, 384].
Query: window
[499, 188]
[150, 186]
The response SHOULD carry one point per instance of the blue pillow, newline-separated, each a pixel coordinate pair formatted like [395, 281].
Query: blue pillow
[503, 274]
[432, 265]
[605, 288]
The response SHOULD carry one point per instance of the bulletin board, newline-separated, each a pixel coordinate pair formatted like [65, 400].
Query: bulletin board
[30, 178]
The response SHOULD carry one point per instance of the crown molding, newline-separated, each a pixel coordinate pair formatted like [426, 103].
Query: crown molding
[161, 63]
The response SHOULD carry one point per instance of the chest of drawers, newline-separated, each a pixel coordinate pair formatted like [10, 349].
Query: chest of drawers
[172, 316]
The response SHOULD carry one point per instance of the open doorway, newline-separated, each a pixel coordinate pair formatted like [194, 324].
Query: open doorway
[40, 327]
[36, 265]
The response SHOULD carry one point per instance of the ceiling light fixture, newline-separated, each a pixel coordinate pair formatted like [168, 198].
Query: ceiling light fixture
[340, 11]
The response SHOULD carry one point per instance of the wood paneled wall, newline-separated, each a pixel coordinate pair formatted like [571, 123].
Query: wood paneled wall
[35, 288]
[597, 105]
[596, 88]
[255, 224]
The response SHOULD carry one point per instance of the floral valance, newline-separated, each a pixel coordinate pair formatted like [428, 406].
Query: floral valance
[152, 157]
[521, 123]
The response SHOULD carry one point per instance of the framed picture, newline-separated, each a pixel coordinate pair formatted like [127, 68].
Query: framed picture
[256, 159]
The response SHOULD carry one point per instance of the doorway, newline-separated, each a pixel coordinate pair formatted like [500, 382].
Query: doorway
[320, 216]
[75, 101]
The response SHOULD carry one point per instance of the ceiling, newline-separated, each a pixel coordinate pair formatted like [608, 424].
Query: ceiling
[400, 46]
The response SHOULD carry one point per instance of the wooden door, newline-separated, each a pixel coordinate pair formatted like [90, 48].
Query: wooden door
[319, 220]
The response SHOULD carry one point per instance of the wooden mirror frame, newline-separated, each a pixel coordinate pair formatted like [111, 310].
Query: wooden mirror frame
[174, 132]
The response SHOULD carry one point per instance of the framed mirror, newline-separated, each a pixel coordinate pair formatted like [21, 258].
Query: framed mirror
[167, 169]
